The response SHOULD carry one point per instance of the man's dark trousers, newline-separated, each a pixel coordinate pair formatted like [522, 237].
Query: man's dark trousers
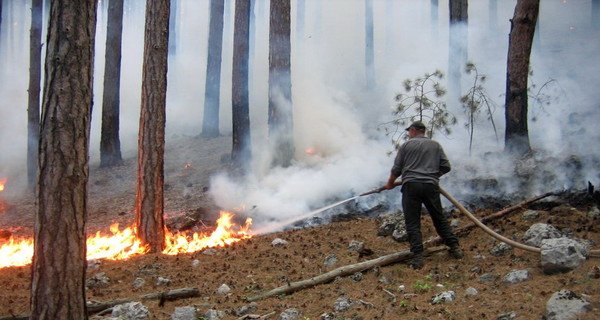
[414, 195]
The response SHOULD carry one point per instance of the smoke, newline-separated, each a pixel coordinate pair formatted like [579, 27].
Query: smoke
[339, 150]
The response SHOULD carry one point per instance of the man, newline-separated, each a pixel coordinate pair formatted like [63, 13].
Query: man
[421, 162]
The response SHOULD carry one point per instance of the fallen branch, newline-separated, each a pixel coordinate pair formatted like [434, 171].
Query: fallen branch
[340, 272]
[255, 316]
[95, 307]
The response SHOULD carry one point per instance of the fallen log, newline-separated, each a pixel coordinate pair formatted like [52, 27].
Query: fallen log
[340, 272]
[95, 307]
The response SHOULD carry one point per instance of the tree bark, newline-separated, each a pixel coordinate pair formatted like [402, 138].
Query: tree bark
[110, 144]
[58, 269]
[519, 50]
[458, 47]
[151, 141]
[210, 125]
[240, 152]
[35, 78]
[280, 84]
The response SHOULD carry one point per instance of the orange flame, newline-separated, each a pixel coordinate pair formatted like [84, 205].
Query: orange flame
[2, 184]
[123, 244]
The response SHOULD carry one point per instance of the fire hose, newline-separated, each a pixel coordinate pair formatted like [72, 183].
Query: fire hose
[495, 235]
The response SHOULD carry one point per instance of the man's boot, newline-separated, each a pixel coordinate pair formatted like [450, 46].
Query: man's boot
[456, 252]
[416, 262]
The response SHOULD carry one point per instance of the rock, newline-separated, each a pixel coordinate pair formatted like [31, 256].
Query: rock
[278, 242]
[443, 297]
[516, 276]
[138, 283]
[342, 304]
[538, 232]
[501, 249]
[356, 245]
[507, 316]
[530, 215]
[184, 313]
[561, 255]
[330, 260]
[357, 276]
[488, 278]
[470, 291]
[149, 269]
[565, 305]
[130, 311]
[327, 316]
[388, 223]
[593, 213]
[195, 263]
[160, 281]
[223, 289]
[99, 280]
[290, 314]
[213, 314]
[243, 310]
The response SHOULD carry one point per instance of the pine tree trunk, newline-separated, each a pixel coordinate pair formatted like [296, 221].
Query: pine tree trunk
[240, 152]
[369, 45]
[35, 78]
[280, 84]
[110, 144]
[458, 46]
[519, 49]
[58, 269]
[210, 125]
[151, 141]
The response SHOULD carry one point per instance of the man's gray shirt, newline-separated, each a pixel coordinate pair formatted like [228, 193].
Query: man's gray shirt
[420, 159]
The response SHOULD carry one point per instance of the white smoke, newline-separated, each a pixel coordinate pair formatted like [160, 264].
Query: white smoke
[336, 114]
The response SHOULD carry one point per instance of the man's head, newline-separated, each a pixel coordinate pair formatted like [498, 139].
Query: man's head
[416, 128]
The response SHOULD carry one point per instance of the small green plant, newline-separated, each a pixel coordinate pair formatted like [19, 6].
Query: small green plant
[403, 304]
[421, 101]
[475, 100]
[422, 286]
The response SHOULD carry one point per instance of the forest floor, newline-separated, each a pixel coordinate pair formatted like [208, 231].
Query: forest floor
[252, 266]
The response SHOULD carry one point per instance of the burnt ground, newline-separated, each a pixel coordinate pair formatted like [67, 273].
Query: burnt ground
[254, 265]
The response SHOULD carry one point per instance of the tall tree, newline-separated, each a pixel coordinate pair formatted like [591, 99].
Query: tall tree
[280, 84]
[458, 44]
[434, 9]
[212, 92]
[522, 30]
[35, 78]
[240, 151]
[595, 14]
[110, 144]
[369, 45]
[151, 140]
[58, 270]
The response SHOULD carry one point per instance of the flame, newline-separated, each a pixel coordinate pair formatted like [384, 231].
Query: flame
[123, 244]
[2, 184]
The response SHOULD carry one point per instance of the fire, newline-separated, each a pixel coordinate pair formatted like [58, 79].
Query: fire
[123, 244]
[2, 184]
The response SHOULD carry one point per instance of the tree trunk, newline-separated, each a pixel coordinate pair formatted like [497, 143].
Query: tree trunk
[435, 20]
[595, 14]
[458, 44]
[35, 78]
[151, 141]
[280, 84]
[110, 145]
[173, 27]
[240, 152]
[369, 45]
[210, 125]
[58, 269]
[519, 49]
